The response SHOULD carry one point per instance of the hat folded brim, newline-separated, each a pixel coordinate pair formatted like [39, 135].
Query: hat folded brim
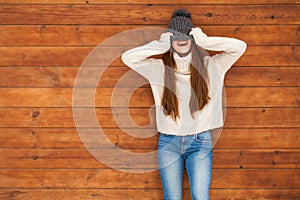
[180, 36]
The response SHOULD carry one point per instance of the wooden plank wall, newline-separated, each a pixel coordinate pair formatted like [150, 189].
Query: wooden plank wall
[44, 42]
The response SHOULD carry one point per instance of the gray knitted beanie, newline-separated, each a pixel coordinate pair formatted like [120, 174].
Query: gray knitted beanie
[181, 24]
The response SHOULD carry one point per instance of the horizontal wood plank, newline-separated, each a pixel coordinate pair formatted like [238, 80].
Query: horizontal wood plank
[145, 14]
[139, 117]
[109, 178]
[263, 76]
[142, 194]
[94, 35]
[123, 76]
[110, 56]
[145, 138]
[256, 159]
[264, 117]
[82, 159]
[146, 2]
[140, 97]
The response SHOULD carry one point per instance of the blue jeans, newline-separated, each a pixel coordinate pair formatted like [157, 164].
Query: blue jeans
[192, 151]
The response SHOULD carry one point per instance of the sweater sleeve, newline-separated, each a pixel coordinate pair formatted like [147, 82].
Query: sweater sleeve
[138, 58]
[232, 49]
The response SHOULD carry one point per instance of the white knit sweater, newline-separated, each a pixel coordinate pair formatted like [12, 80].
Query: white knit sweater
[211, 116]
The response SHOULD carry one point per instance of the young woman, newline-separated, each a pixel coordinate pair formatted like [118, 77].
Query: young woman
[187, 87]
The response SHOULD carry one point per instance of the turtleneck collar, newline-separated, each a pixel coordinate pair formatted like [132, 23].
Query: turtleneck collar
[183, 63]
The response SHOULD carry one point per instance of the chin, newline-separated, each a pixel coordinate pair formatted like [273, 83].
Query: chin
[183, 52]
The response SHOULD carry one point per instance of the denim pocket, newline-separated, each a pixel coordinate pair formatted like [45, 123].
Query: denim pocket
[205, 142]
[203, 137]
[165, 139]
[199, 137]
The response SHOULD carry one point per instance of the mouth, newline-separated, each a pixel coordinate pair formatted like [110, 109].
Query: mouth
[182, 43]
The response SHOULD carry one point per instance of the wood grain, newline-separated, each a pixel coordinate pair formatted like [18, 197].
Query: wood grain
[146, 2]
[110, 56]
[140, 97]
[146, 15]
[107, 178]
[139, 117]
[62, 138]
[82, 159]
[263, 76]
[32, 77]
[53, 35]
[142, 194]
[43, 43]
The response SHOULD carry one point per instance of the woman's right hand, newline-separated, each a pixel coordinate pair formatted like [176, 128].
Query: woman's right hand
[165, 40]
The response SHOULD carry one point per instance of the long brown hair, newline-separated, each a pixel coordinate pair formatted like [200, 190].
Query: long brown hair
[199, 83]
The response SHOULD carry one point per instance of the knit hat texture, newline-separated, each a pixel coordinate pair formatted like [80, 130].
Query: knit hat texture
[181, 24]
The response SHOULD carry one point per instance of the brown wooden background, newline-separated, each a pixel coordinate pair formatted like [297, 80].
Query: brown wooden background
[42, 45]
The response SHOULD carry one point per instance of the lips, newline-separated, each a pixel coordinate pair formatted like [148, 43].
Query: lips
[182, 43]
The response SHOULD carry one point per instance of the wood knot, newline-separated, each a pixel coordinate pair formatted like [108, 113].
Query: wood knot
[237, 29]
[35, 114]
[42, 27]
[14, 194]
[90, 177]
[209, 14]
[35, 157]
[96, 195]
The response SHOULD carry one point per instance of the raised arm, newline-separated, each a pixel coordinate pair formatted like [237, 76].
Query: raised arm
[138, 58]
[232, 49]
